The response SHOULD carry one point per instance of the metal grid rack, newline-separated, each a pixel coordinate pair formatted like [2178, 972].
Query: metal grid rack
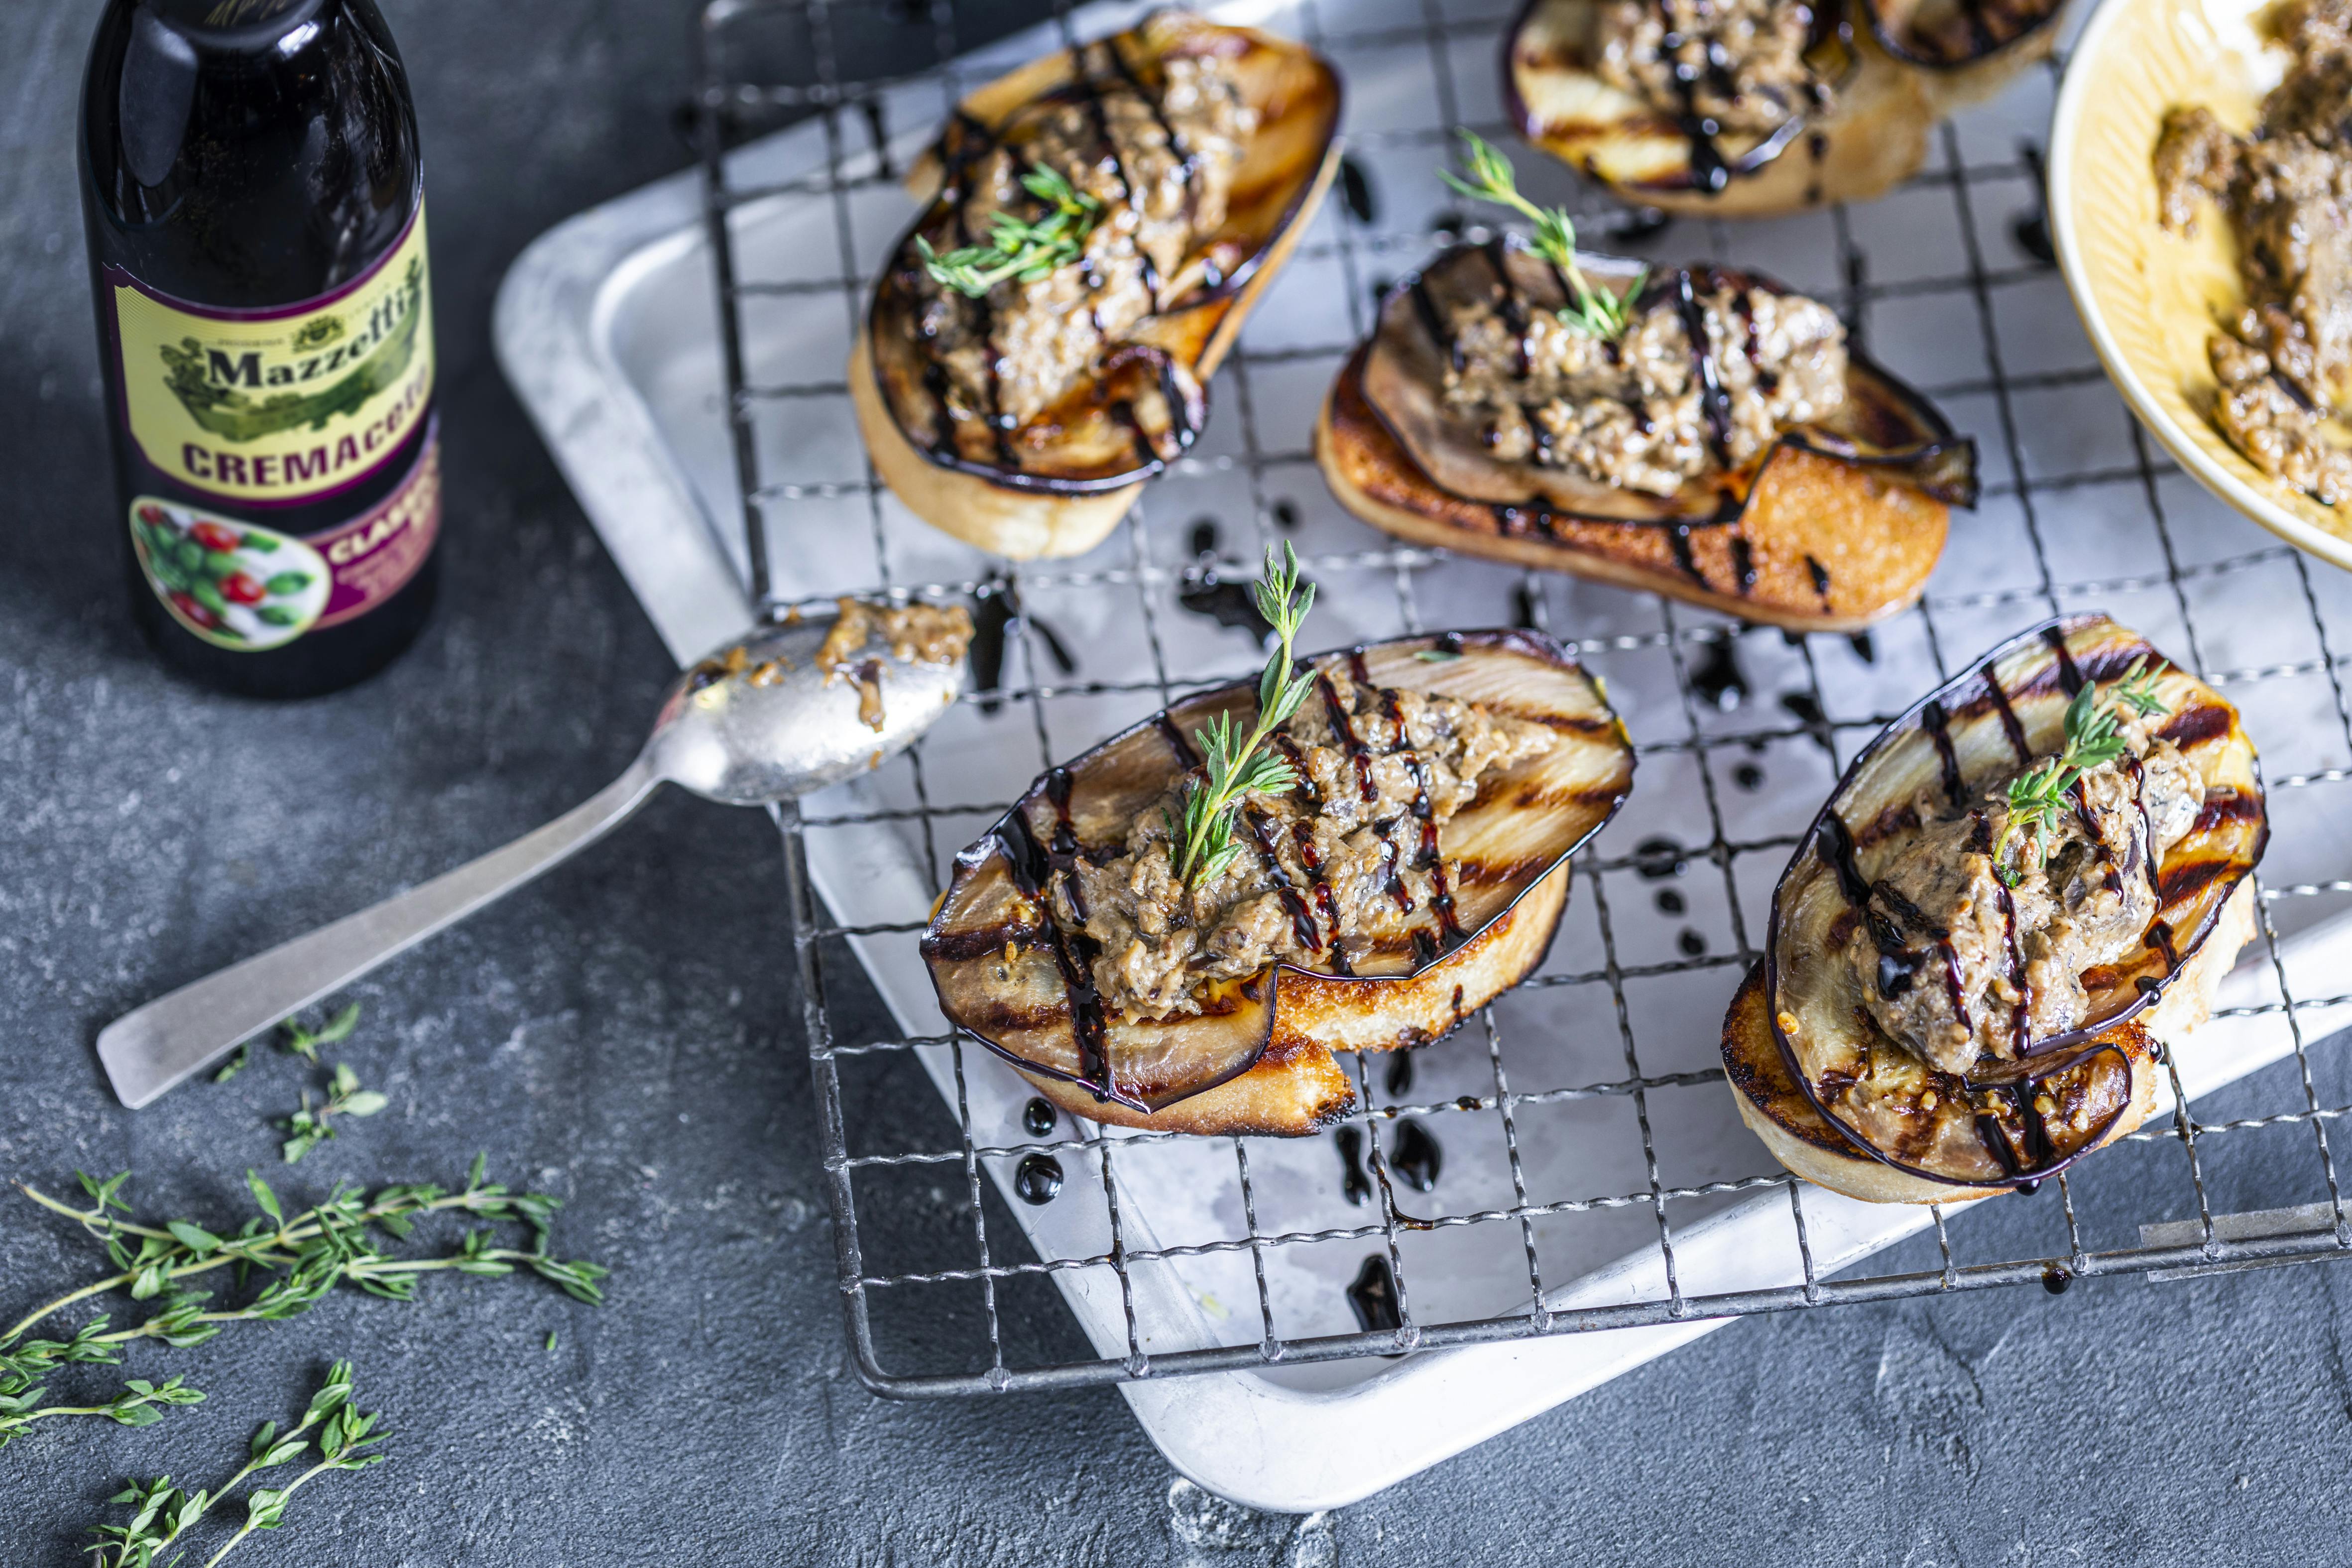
[2034, 499]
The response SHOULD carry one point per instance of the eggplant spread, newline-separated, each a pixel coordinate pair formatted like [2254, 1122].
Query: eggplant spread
[1374, 846]
[1757, 106]
[1647, 411]
[1158, 163]
[1336, 872]
[2287, 191]
[1718, 67]
[2019, 895]
[1962, 954]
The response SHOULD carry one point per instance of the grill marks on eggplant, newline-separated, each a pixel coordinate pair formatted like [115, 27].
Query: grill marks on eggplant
[1554, 38]
[1885, 427]
[1035, 1001]
[2021, 1113]
[1138, 403]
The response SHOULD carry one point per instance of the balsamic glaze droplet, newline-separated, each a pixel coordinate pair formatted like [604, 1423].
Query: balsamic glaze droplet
[1353, 1181]
[2031, 229]
[1037, 1179]
[1747, 776]
[1204, 538]
[1399, 1076]
[1285, 514]
[1641, 224]
[1355, 190]
[1374, 1295]
[1693, 944]
[1670, 903]
[1415, 1156]
[996, 610]
[1205, 593]
[1657, 859]
[1718, 681]
[2056, 1278]
[1038, 1117]
[1801, 706]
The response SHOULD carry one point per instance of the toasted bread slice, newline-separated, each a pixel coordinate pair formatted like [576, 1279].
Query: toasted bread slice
[1833, 528]
[1254, 1055]
[1833, 1095]
[1893, 79]
[1811, 1146]
[1056, 486]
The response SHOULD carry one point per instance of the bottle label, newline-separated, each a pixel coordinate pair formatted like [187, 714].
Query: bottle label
[283, 405]
[240, 586]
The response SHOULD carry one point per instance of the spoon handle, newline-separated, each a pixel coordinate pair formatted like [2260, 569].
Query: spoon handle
[151, 1051]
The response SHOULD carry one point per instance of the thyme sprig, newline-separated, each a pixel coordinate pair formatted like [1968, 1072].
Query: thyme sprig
[1595, 312]
[346, 1440]
[1021, 249]
[1234, 765]
[141, 1403]
[304, 1256]
[2037, 797]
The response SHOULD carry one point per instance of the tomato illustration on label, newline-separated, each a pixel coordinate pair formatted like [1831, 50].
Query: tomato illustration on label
[231, 584]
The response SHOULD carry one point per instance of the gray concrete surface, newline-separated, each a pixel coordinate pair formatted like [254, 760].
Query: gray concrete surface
[620, 1036]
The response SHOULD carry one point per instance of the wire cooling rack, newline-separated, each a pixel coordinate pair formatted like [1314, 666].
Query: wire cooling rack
[1740, 731]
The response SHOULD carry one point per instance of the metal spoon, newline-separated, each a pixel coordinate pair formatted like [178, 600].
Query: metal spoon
[758, 722]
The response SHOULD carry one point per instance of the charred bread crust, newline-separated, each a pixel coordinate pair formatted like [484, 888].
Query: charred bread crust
[1874, 543]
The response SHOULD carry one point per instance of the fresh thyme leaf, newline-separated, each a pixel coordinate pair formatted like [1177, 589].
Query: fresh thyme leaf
[1487, 176]
[2037, 797]
[1020, 249]
[1233, 765]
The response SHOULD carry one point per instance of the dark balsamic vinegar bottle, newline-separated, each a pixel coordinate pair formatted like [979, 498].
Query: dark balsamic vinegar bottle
[254, 207]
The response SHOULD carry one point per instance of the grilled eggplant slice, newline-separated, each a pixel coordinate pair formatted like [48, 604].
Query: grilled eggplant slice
[1852, 130]
[1832, 526]
[1818, 1075]
[1027, 473]
[1255, 1057]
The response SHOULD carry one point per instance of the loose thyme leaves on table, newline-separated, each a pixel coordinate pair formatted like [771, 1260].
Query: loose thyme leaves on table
[1018, 248]
[307, 1129]
[167, 1513]
[1231, 767]
[303, 1043]
[2037, 797]
[1487, 176]
[301, 1256]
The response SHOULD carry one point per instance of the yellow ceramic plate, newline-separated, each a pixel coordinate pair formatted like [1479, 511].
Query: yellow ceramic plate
[2148, 298]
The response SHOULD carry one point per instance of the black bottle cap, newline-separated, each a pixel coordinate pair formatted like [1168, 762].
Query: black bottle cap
[239, 24]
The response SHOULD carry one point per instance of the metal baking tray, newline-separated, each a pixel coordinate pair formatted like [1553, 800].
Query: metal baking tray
[1598, 1201]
